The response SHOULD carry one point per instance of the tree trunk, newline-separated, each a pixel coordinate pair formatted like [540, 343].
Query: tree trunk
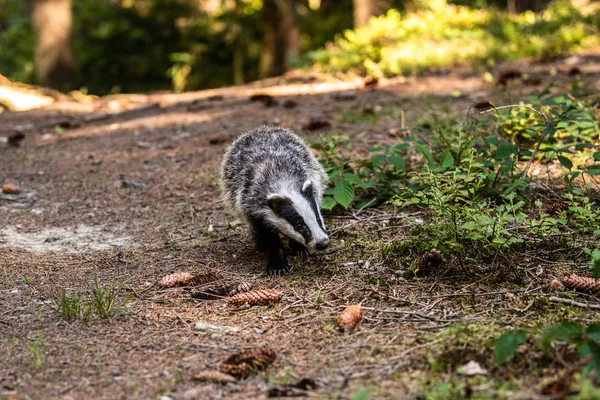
[54, 62]
[512, 6]
[281, 38]
[365, 9]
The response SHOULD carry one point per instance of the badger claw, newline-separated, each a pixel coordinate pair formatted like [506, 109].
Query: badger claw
[279, 271]
[296, 249]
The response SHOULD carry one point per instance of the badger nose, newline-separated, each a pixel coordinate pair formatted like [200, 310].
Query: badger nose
[322, 244]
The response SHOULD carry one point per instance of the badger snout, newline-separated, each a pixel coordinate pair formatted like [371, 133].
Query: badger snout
[322, 244]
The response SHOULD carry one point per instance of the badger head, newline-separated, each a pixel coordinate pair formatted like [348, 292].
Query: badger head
[295, 213]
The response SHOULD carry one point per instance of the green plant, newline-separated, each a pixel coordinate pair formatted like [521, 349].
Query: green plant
[35, 351]
[363, 182]
[507, 345]
[586, 339]
[402, 44]
[105, 301]
[73, 307]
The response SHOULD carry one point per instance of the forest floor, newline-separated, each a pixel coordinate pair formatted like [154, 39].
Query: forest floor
[111, 196]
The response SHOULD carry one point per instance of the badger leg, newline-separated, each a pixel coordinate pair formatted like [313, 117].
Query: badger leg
[268, 242]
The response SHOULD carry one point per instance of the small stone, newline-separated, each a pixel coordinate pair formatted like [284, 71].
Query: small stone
[205, 326]
[472, 368]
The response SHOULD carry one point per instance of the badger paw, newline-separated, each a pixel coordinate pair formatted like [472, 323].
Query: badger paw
[277, 264]
[280, 270]
[296, 249]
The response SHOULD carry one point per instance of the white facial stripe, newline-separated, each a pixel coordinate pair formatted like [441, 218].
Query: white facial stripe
[284, 227]
[306, 185]
[310, 219]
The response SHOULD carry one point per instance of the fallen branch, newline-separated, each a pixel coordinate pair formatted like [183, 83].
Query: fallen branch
[555, 299]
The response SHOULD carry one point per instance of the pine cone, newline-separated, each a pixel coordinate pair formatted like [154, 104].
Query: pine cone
[557, 207]
[242, 364]
[264, 296]
[205, 278]
[351, 316]
[214, 376]
[220, 290]
[176, 279]
[581, 283]
[421, 266]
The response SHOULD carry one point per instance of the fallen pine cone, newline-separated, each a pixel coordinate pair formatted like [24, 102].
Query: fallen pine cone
[214, 376]
[351, 316]
[557, 207]
[220, 290]
[205, 278]
[8, 188]
[423, 265]
[243, 364]
[176, 279]
[265, 296]
[581, 283]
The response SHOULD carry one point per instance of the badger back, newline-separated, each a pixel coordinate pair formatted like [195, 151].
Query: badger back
[264, 161]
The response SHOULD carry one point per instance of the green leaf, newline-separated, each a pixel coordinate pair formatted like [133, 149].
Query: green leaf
[425, 152]
[565, 162]
[343, 193]
[504, 150]
[397, 162]
[328, 203]
[562, 331]
[591, 347]
[593, 331]
[352, 179]
[447, 160]
[506, 346]
[597, 156]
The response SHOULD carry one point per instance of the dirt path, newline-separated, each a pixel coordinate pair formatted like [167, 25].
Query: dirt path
[133, 197]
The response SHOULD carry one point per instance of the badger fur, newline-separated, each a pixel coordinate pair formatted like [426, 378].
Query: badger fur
[271, 178]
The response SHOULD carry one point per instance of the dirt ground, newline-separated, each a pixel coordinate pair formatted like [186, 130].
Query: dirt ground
[130, 197]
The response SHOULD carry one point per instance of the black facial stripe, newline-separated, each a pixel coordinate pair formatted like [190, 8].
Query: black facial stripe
[313, 205]
[292, 216]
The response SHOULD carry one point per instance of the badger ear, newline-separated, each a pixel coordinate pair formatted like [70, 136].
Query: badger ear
[307, 187]
[277, 202]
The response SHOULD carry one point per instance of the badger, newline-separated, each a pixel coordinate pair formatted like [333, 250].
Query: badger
[271, 178]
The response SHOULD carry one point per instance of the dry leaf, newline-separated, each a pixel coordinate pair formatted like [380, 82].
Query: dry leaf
[265, 296]
[351, 316]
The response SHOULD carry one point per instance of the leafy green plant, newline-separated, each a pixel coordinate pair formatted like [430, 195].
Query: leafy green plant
[402, 44]
[73, 307]
[363, 182]
[35, 351]
[105, 301]
[586, 339]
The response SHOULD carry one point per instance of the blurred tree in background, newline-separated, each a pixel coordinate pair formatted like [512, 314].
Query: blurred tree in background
[142, 45]
[53, 59]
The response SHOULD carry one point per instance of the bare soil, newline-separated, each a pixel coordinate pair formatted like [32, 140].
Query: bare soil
[130, 197]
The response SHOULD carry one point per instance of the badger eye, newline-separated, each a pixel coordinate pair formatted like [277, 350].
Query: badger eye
[299, 225]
